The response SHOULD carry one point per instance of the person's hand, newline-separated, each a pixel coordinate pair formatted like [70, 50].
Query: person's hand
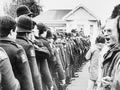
[52, 87]
[106, 81]
[62, 82]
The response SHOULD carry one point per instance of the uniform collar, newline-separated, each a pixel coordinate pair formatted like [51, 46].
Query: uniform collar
[22, 37]
[6, 39]
[40, 37]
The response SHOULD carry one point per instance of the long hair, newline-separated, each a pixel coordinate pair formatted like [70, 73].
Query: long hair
[118, 27]
[116, 11]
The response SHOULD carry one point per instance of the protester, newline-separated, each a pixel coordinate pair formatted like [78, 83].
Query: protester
[111, 58]
[93, 56]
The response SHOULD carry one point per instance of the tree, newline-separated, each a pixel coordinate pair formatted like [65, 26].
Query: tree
[32, 4]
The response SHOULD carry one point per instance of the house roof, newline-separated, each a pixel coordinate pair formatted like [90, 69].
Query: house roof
[81, 6]
[60, 15]
[52, 15]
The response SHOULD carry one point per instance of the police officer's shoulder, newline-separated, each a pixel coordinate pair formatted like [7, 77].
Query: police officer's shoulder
[21, 55]
[16, 45]
[39, 43]
[3, 54]
[25, 41]
[31, 50]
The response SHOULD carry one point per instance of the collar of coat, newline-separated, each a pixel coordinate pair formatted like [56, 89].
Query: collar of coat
[6, 39]
[111, 53]
[24, 38]
[40, 37]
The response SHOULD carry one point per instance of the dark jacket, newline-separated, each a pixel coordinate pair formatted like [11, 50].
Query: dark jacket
[111, 67]
[7, 78]
[53, 62]
[30, 51]
[19, 62]
[43, 65]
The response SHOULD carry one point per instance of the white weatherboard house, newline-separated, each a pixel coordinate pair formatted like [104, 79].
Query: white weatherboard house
[79, 18]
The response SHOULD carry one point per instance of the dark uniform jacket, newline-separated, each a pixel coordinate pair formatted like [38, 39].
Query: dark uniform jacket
[53, 62]
[7, 78]
[43, 66]
[111, 67]
[30, 51]
[19, 63]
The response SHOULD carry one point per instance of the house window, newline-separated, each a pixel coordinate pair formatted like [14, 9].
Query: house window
[59, 30]
[80, 27]
[91, 29]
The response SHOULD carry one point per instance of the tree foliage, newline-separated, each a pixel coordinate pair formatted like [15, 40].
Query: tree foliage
[32, 4]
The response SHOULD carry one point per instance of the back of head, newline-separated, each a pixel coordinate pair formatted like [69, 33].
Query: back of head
[7, 23]
[116, 11]
[25, 23]
[42, 28]
[100, 39]
[23, 10]
[49, 34]
[54, 37]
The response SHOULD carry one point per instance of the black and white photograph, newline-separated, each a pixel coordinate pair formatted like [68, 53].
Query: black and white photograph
[59, 44]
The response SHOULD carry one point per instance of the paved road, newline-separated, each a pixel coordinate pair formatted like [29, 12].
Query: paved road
[81, 82]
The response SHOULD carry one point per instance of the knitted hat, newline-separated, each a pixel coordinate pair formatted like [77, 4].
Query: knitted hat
[23, 10]
[26, 23]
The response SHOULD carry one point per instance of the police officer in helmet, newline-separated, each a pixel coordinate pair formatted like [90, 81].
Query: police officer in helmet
[15, 52]
[24, 29]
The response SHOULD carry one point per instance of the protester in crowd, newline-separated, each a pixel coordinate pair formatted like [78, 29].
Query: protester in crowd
[110, 77]
[100, 66]
[15, 52]
[24, 29]
[93, 56]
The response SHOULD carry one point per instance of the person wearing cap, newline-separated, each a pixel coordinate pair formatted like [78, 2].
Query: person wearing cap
[42, 64]
[15, 52]
[24, 29]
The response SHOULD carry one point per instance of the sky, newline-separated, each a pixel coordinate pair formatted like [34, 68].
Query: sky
[101, 8]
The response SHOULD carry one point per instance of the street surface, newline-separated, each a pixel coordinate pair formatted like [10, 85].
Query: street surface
[81, 82]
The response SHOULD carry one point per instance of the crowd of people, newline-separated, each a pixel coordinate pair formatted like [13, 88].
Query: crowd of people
[104, 56]
[32, 57]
